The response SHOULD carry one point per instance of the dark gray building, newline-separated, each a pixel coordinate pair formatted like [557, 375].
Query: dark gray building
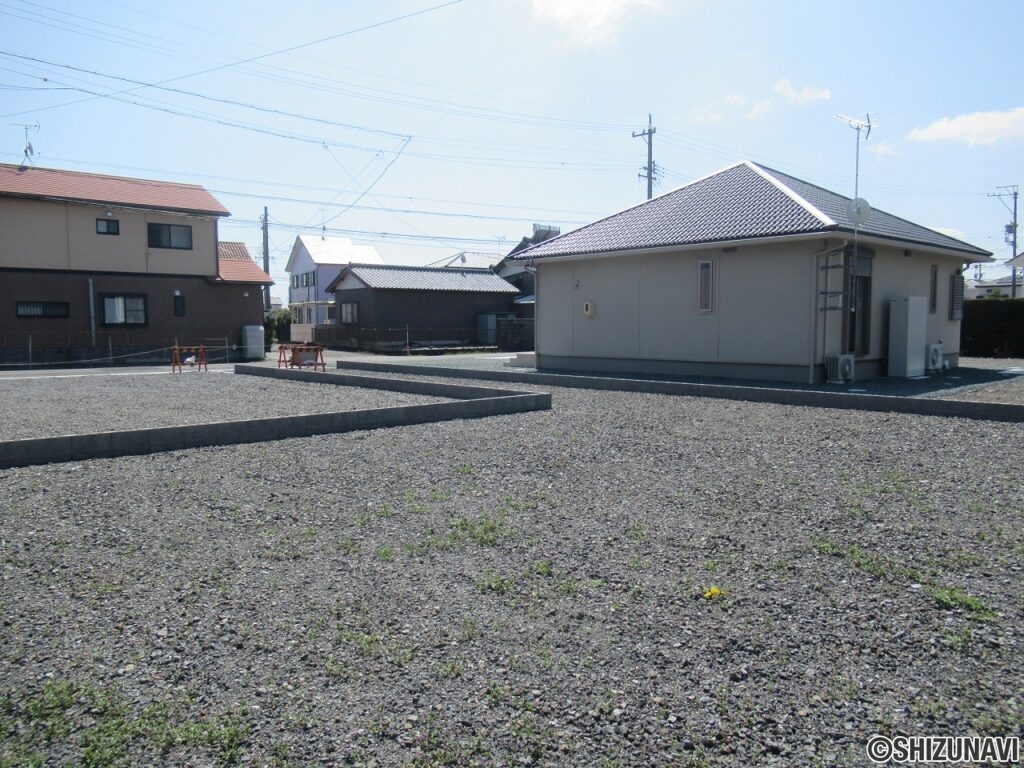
[380, 307]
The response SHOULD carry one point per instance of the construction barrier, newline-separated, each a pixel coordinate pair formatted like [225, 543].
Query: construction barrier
[301, 356]
[197, 357]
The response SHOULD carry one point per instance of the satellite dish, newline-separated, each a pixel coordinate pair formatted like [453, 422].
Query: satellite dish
[858, 210]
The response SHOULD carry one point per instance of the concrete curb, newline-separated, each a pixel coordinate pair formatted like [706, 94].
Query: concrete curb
[471, 403]
[919, 406]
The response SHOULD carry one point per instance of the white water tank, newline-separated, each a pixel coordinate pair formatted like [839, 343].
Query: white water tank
[252, 342]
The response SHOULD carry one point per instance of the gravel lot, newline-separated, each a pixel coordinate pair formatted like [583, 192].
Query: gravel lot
[74, 405]
[626, 580]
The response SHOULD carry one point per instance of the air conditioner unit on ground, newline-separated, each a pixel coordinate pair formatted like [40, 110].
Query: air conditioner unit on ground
[839, 368]
[933, 357]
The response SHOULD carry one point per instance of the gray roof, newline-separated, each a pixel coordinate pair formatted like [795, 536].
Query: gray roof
[743, 202]
[401, 278]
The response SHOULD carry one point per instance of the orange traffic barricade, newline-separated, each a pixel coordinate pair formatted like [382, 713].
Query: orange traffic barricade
[301, 356]
[195, 356]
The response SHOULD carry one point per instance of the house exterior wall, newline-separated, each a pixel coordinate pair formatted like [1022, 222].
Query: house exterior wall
[40, 234]
[313, 295]
[645, 314]
[212, 312]
[767, 319]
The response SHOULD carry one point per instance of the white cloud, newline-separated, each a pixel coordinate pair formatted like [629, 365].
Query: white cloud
[883, 149]
[974, 128]
[590, 21]
[806, 95]
[759, 109]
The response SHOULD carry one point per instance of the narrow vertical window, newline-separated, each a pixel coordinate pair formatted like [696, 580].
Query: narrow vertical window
[933, 290]
[179, 306]
[705, 287]
[956, 296]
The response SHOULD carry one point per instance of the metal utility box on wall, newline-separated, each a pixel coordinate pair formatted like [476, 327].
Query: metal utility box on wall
[908, 333]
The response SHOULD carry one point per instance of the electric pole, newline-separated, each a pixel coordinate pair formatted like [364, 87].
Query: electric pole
[1010, 230]
[648, 171]
[266, 258]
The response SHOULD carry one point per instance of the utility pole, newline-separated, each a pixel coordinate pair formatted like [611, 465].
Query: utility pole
[1010, 230]
[266, 257]
[648, 171]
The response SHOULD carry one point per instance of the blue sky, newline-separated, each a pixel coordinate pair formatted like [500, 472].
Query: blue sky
[426, 127]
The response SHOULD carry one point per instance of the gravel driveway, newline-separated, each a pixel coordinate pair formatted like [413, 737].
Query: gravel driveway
[626, 580]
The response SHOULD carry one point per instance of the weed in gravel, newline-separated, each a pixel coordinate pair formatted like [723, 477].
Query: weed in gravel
[386, 554]
[542, 568]
[954, 598]
[639, 532]
[493, 582]
[485, 530]
[879, 566]
[959, 640]
[464, 469]
[106, 731]
[468, 629]
[348, 545]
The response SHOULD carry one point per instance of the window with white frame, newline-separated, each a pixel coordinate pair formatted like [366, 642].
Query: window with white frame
[706, 287]
[350, 312]
[956, 296]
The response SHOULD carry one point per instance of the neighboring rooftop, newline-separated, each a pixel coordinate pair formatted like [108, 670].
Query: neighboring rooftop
[471, 259]
[743, 202]
[94, 188]
[332, 250]
[402, 278]
[235, 265]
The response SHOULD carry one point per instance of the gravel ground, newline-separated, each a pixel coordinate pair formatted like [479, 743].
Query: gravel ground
[626, 580]
[73, 405]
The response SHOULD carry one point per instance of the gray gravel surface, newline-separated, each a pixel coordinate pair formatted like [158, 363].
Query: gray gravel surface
[532, 589]
[72, 405]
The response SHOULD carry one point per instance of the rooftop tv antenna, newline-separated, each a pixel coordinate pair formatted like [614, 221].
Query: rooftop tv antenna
[859, 209]
[29, 151]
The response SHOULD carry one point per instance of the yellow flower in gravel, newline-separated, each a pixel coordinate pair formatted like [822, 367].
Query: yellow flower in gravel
[713, 593]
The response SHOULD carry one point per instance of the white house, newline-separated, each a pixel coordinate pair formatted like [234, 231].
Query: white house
[314, 263]
[746, 273]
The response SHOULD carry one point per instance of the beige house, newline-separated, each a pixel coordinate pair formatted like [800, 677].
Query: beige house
[100, 266]
[748, 273]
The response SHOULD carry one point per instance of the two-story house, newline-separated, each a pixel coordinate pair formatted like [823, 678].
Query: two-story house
[314, 263]
[102, 267]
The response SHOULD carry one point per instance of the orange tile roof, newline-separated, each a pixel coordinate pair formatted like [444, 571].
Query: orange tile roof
[235, 265]
[74, 186]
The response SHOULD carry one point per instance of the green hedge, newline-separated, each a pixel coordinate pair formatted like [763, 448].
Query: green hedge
[277, 326]
[993, 328]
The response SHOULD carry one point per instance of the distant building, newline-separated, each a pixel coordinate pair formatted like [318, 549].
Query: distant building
[95, 266]
[315, 261]
[381, 306]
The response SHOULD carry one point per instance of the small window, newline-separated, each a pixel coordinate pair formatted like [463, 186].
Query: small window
[179, 306]
[108, 227]
[956, 296]
[705, 287]
[350, 312]
[43, 309]
[178, 236]
[124, 310]
[312, 278]
[933, 290]
[295, 281]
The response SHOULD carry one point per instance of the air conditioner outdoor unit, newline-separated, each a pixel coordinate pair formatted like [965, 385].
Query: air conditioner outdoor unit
[933, 357]
[839, 368]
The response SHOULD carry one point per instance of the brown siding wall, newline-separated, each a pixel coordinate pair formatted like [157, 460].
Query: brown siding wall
[212, 312]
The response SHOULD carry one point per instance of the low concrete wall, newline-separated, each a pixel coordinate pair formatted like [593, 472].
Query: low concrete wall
[470, 403]
[841, 400]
